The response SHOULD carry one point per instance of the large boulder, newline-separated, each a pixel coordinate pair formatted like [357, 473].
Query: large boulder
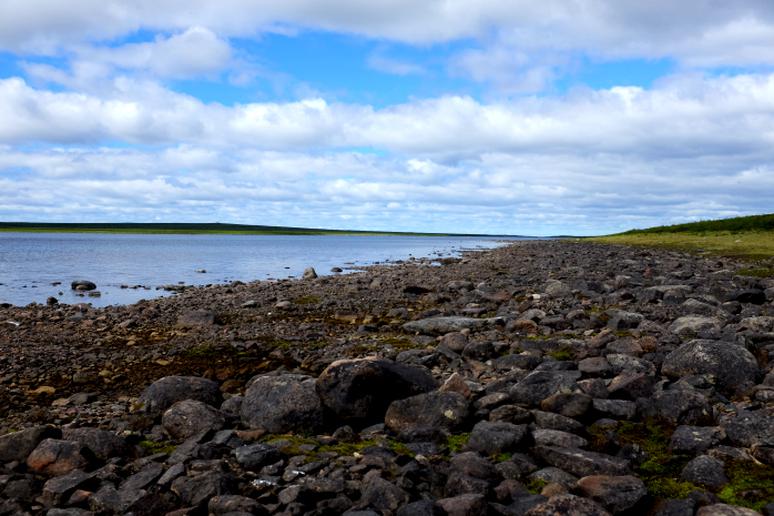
[187, 418]
[362, 389]
[282, 403]
[56, 457]
[433, 411]
[539, 385]
[165, 392]
[102, 443]
[733, 367]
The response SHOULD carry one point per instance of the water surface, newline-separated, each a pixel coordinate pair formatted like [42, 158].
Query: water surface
[30, 263]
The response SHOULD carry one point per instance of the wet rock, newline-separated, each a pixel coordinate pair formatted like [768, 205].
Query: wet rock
[102, 443]
[581, 462]
[282, 403]
[83, 285]
[568, 504]
[17, 446]
[362, 389]
[187, 418]
[55, 457]
[166, 391]
[734, 368]
[431, 411]
[442, 325]
[494, 438]
[615, 493]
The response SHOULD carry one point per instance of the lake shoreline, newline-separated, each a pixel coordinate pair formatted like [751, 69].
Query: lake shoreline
[504, 366]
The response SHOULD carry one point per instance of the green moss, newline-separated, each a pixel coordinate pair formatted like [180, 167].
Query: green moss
[536, 485]
[502, 457]
[307, 300]
[561, 354]
[400, 343]
[750, 485]
[757, 272]
[291, 444]
[201, 351]
[457, 442]
[400, 448]
[349, 448]
[153, 447]
[670, 488]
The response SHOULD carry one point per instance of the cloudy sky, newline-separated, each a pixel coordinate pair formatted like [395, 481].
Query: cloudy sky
[517, 117]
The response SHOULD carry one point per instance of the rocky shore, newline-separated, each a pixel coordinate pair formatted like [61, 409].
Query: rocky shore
[542, 378]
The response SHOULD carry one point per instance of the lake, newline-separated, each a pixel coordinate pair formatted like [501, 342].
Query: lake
[31, 263]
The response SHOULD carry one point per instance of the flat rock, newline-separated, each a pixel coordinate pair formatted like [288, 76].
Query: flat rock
[430, 411]
[734, 368]
[582, 463]
[446, 324]
[283, 403]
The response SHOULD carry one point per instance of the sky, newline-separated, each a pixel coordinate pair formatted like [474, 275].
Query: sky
[501, 117]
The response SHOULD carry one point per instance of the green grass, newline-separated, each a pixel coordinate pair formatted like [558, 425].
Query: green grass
[751, 485]
[193, 229]
[749, 238]
[457, 442]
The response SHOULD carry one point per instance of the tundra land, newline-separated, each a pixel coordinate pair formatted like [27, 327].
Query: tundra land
[569, 376]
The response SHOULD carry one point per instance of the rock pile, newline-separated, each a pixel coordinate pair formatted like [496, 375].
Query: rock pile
[543, 378]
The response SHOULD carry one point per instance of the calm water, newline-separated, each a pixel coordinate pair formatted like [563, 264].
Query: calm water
[31, 262]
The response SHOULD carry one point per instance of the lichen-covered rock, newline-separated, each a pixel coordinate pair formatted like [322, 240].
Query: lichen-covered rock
[734, 368]
[283, 403]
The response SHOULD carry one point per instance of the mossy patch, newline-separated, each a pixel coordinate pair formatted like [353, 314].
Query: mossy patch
[562, 354]
[457, 442]
[670, 488]
[536, 485]
[153, 447]
[307, 300]
[751, 485]
[201, 351]
[757, 272]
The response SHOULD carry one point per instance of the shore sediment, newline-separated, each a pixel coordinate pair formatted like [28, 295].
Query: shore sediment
[545, 377]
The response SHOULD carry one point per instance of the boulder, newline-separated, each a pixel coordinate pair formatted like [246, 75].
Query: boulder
[432, 411]
[568, 504]
[194, 318]
[695, 439]
[581, 462]
[165, 392]
[17, 446]
[733, 367]
[751, 427]
[309, 273]
[696, 326]
[362, 389]
[102, 443]
[83, 285]
[677, 407]
[494, 438]
[282, 403]
[469, 504]
[539, 385]
[187, 418]
[705, 471]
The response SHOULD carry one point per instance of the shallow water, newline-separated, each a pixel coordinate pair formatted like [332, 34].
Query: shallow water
[31, 262]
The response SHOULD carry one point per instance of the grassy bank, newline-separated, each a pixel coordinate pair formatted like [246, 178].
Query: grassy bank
[747, 238]
[194, 229]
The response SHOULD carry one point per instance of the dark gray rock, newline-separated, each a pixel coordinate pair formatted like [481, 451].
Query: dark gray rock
[569, 505]
[749, 428]
[143, 478]
[225, 504]
[283, 403]
[539, 385]
[17, 446]
[473, 465]
[102, 443]
[255, 456]
[615, 493]
[196, 318]
[677, 407]
[622, 320]
[548, 437]
[194, 491]
[494, 438]
[58, 489]
[187, 418]
[383, 496]
[463, 505]
[618, 409]
[706, 472]
[431, 411]
[83, 285]
[166, 391]
[695, 439]
[420, 508]
[569, 404]
[581, 462]
[362, 389]
[734, 368]
[753, 296]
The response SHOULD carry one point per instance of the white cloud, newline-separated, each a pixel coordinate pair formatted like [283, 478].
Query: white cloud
[382, 63]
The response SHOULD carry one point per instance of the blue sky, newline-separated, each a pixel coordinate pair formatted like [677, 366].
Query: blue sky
[494, 117]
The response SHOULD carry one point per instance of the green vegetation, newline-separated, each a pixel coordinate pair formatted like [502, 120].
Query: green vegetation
[182, 228]
[751, 485]
[292, 445]
[457, 442]
[536, 485]
[307, 300]
[153, 447]
[750, 238]
[561, 354]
